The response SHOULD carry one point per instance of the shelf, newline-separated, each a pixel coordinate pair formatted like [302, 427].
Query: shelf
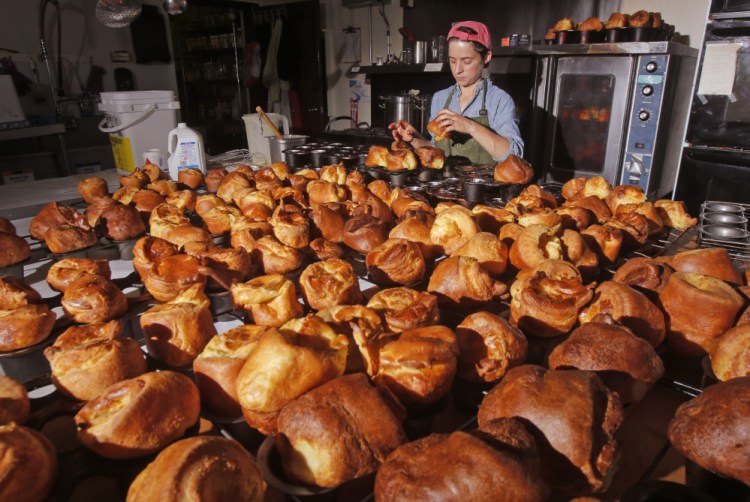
[215, 81]
[202, 53]
[388, 69]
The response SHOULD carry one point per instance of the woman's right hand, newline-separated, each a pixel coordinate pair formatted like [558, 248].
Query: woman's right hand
[402, 131]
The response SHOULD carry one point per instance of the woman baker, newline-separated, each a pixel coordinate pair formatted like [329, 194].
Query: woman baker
[477, 117]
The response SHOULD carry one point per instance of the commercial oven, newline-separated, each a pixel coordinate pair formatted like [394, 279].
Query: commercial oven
[615, 110]
[716, 159]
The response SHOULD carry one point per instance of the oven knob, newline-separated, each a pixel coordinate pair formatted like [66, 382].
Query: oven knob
[651, 66]
[644, 115]
[647, 90]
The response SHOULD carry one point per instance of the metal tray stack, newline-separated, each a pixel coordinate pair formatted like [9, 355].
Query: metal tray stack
[725, 224]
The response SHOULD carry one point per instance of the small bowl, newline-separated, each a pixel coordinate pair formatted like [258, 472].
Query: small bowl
[269, 461]
[221, 302]
[717, 485]
[317, 157]
[568, 37]
[725, 219]
[27, 363]
[240, 431]
[721, 232]
[473, 189]
[426, 174]
[592, 36]
[350, 160]
[664, 491]
[297, 157]
[398, 179]
[613, 35]
[726, 207]
[643, 34]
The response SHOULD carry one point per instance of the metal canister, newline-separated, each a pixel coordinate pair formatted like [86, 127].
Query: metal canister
[420, 52]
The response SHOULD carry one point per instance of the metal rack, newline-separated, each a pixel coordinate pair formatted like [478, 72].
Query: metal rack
[725, 224]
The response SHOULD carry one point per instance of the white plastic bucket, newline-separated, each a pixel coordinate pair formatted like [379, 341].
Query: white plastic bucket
[137, 121]
[258, 132]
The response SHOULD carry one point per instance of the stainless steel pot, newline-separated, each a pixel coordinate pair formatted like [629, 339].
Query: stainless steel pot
[398, 107]
[412, 109]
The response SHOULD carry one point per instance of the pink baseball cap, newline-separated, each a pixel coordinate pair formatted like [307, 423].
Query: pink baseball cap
[482, 34]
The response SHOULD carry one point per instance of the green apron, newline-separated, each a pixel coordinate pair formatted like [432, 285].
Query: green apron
[463, 144]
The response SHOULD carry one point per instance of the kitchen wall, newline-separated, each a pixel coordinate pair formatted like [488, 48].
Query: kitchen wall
[85, 41]
[335, 19]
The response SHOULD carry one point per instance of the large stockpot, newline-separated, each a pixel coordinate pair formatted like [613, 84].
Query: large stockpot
[406, 107]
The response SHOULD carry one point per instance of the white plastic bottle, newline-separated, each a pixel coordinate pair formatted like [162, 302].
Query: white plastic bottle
[185, 150]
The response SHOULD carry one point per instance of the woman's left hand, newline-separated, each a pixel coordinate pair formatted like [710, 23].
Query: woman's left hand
[452, 121]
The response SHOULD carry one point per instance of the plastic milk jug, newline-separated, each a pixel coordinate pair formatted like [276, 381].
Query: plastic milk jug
[185, 150]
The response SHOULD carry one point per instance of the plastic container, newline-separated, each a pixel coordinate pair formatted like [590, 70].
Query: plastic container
[185, 150]
[258, 132]
[136, 122]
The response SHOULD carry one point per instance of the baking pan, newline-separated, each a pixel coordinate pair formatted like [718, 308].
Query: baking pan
[592, 36]
[269, 462]
[716, 485]
[568, 37]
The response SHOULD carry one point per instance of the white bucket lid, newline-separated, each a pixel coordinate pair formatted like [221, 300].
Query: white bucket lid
[137, 97]
[133, 101]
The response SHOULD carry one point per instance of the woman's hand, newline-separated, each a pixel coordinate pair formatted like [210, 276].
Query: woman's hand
[452, 121]
[402, 131]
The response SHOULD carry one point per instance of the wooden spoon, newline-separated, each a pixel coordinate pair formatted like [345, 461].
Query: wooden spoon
[269, 122]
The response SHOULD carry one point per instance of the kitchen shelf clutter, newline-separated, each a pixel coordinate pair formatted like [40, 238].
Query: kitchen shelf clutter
[209, 48]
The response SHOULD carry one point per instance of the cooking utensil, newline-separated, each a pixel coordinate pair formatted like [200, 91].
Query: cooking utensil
[175, 7]
[270, 123]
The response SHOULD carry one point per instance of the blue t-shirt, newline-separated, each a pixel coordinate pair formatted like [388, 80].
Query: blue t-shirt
[501, 112]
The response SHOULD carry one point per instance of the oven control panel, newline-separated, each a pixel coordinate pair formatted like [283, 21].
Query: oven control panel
[648, 94]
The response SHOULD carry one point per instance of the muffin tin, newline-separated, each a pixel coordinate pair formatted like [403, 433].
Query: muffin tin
[456, 411]
[612, 35]
[322, 153]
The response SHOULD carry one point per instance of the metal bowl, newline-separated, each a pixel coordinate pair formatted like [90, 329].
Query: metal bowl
[724, 233]
[398, 178]
[726, 207]
[473, 189]
[269, 461]
[725, 219]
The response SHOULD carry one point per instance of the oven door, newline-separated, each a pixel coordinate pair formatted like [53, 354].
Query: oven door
[589, 108]
[718, 6]
[721, 118]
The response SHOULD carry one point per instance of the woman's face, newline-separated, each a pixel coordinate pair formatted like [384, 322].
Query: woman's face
[466, 63]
